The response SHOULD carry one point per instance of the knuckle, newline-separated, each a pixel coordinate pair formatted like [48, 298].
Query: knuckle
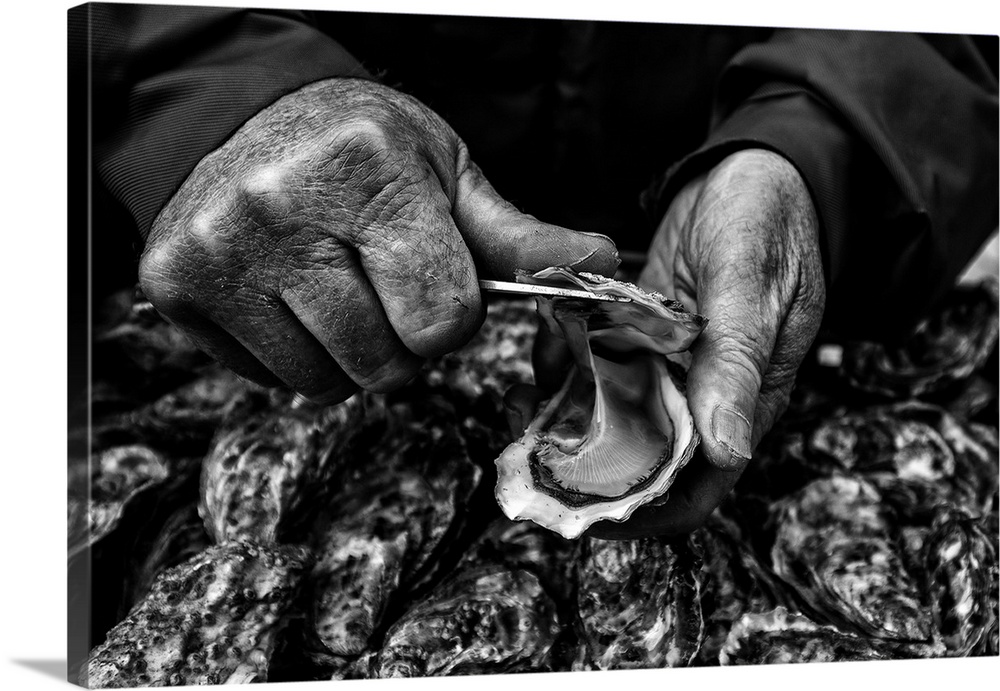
[265, 195]
[161, 271]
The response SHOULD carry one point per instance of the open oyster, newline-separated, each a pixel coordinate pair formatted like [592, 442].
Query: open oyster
[618, 431]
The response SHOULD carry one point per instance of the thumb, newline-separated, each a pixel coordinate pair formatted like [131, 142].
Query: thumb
[727, 367]
[502, 239]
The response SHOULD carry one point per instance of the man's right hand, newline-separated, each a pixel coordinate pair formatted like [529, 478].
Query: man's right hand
[336, 239]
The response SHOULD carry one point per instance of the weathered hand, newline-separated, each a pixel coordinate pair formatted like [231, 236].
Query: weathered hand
[335, 241]
[738, 245]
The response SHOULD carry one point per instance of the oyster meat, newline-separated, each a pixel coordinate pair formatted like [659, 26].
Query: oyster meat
[639, 604]
[618, 431]
[834, 547]
[211, 620]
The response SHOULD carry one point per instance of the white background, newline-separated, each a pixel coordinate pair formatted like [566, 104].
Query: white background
[33, 318]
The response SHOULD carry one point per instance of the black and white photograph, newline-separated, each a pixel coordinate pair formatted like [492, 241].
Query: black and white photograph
[409, 344]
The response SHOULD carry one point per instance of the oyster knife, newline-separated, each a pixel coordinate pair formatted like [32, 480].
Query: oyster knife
[546, 291]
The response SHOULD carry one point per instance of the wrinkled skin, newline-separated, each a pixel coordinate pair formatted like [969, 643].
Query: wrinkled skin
[740, 246]
[335, 241]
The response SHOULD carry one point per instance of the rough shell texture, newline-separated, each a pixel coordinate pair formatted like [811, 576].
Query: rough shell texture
[781, 637]
[735, 582]
[833, 546]
[181, 537]
[265, 473]
[485, 619]
[961, 560]
[117, 477]
[948, 346]
[185, 419]
[211, 620]
[639, 604]
[525, 545]
[391, 517]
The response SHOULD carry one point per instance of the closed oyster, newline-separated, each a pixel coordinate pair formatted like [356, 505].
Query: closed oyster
[833, 546]
[399, 502]
[946, 347]
[181, 537]
[639, 604]
[485, 619]
[117, 477]
[526, 545]
[265, 472]
[782, 637]
[185, 419]
[618, 431]
[211, 620]
[735, 583]
[961, 561]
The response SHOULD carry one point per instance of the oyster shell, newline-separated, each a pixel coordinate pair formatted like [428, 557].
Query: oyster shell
[735, 583]
[181, 537]
[781, 637]
[117, 477]
[399, 503]
[946, 347]
[618, 431]
[485, 619]
[185, 419]
[834, 547]
[210, 620]
[264, 473]
[961, 561]
[639, 604]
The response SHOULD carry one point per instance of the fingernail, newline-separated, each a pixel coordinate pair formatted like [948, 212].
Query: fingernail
[732, 430]
[596, 235]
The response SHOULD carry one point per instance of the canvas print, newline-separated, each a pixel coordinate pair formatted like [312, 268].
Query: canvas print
[407, 345]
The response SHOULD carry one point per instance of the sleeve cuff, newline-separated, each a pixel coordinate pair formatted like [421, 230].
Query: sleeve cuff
[176, 117]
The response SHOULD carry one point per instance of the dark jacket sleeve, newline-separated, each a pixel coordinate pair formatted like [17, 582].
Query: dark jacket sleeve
[169, 84]
[896, 137]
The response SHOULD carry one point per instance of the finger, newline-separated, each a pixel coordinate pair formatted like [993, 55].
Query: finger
[502, 239]
[270, 330]
[259, 338]
[341, 309]
[521, 403]
[729, 359]
[421, 270]
[699, 489]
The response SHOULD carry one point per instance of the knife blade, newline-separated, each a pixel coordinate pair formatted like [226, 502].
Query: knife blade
[546, 291]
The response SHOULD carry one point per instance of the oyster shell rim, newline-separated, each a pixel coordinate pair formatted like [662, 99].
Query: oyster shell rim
[572, 521]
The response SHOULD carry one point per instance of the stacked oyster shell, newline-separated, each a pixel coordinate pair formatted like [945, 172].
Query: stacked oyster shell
[234, 536]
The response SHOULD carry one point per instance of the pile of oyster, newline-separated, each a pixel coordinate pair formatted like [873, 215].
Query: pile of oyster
[220, 532]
